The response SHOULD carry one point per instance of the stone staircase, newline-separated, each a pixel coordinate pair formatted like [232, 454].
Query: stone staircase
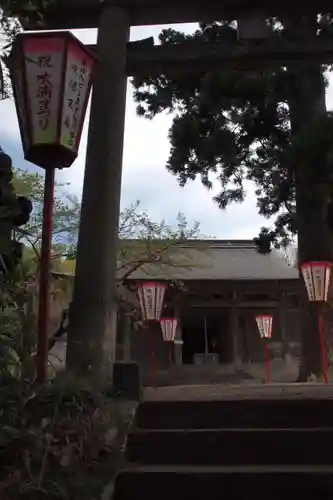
[192, 375]
[253, 373]
[235, 449]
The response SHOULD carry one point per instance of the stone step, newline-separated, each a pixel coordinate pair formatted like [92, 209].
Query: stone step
[259, 483]
[246, 413]
[231, 446]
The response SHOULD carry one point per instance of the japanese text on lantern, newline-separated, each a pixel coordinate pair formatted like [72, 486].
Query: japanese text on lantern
[44, 90]
[75, 93]
[149, 301]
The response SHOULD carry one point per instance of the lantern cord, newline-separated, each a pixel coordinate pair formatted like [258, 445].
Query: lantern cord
[322, 342]
[268, 366]
[44, 276]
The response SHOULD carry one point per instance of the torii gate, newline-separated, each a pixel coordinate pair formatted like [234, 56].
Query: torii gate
[92, 312]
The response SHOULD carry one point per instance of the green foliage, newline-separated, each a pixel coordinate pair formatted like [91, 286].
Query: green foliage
[231, 126]
[18, 323]
[26, 11]
[9, 28]
[136, 223]
[65, 219]
[61, 441]
[18, 291]
[14, 14]
[11, 8]
[143, 239]
[146, 244]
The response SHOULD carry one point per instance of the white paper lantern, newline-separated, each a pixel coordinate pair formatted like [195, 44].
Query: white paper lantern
[151, 297]
[317, 279]
[169, 328]
[265, 324]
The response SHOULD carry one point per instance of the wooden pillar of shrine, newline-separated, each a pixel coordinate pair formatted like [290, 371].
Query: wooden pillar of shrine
[234, 329]
[282, 319]
[178, 345]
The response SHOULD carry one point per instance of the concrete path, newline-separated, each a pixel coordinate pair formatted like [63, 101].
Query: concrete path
[218, 392]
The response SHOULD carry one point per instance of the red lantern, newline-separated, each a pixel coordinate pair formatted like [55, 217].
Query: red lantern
[169, 328]
[265, 323]
[317, 279]
[151, 297]
[51, 76]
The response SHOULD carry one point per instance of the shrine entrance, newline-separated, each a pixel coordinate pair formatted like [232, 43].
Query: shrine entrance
[95, 274]
[206, 336]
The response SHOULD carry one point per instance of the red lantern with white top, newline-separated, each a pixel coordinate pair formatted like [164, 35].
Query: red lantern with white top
[317, 279]
[169, 328]
[265, 324]
[151, 298]
[52, 77]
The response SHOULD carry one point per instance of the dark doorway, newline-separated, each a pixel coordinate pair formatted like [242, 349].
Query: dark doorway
[193, 335]
[194, 324]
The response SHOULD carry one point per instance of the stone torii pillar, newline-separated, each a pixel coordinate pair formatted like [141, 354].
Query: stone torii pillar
[92, 316]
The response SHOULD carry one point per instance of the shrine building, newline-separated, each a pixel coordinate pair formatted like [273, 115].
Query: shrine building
[223, 284]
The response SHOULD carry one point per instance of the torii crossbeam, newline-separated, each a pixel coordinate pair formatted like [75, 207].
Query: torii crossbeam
[71, 14]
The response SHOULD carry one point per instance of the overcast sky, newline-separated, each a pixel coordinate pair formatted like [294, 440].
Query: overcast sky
[145, 177]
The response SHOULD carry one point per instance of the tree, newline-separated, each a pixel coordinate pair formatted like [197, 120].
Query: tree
[9, 27]
[269, 126]
[12, 14]
[147, 243]
[66, 215]
[23, 11]
[143, 242]
[19, 291]
[134, 224]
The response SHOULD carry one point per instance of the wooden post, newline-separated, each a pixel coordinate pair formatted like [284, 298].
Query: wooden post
[281, 313]
[127, 323]
[234, 329]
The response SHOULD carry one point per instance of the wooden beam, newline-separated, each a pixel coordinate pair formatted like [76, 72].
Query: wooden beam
[243, 304]
[189, 57]
[272, 304]
[144, 58]
[71, 14]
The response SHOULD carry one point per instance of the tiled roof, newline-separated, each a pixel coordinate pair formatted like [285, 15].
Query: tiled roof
[217, 260]
[208, 260]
